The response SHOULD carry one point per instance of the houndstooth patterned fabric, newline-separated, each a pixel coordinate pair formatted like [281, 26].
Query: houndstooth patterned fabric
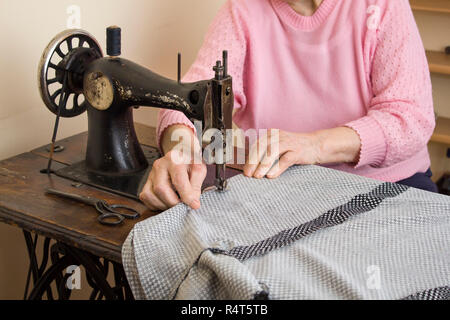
[442, 293]
[314, 233]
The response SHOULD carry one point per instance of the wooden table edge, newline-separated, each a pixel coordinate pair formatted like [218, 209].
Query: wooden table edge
[69, 237]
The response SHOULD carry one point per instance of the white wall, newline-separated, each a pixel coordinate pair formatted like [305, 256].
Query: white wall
[153, 31]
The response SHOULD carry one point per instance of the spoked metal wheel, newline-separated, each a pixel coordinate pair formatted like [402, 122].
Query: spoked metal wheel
[61, 71]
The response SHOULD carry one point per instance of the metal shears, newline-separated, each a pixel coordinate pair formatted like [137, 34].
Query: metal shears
[110, 214]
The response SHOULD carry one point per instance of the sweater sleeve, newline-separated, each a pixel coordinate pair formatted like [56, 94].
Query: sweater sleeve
[400, 118]
[227, 32]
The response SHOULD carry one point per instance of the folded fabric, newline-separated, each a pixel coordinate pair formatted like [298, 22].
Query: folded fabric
[314, 233]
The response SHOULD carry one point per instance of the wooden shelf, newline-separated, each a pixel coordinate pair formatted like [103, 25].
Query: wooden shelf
[439, 62]
[442, 131]
[442, 6]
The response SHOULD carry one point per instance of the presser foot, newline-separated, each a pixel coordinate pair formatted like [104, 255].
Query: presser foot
[221, 182]
[221, 185]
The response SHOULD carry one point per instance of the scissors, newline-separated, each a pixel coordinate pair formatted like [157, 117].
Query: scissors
[110, 214]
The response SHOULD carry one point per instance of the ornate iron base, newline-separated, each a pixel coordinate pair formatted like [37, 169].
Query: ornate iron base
[62, 256]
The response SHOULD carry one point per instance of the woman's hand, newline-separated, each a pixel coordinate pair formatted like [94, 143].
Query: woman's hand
[176, 177]
[167, 178]
[274, 153]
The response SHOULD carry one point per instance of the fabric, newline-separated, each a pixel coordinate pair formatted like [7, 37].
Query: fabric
[421, 181]
[442, 293]
[314, 233]
[359, 63]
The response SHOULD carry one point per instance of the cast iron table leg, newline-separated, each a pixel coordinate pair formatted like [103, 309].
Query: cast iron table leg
[46, 279]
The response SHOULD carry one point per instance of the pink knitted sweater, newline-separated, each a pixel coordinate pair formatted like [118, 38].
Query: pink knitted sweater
[354, 63]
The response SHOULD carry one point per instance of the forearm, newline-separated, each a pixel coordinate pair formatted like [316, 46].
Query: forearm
[176, 134]
[338, 145]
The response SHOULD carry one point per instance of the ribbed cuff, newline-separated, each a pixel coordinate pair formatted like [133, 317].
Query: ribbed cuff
[168, 118]
[373, 144]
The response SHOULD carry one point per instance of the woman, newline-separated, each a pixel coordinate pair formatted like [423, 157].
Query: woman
[346, 82]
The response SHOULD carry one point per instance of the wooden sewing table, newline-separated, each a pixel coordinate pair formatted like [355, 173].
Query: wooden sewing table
[70, 232]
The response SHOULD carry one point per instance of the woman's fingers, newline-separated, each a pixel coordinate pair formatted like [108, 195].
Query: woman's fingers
[269, 160]
[171, 174]
[163, 189]
[286, 161]
[265, 166]
[256, 154]
[180, 180]
[197, 176]
[150, 199]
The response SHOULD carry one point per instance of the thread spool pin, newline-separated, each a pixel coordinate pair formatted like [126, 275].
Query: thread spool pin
[113, 41]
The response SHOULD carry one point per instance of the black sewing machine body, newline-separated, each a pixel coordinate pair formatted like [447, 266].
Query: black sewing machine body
[112, 87]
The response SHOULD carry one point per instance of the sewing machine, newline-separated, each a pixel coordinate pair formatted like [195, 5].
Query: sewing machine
[74, 77]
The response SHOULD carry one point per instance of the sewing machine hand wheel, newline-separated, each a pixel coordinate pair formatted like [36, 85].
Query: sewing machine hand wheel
[67, 55]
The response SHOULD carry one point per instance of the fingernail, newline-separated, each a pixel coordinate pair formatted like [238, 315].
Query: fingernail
[195, 204]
